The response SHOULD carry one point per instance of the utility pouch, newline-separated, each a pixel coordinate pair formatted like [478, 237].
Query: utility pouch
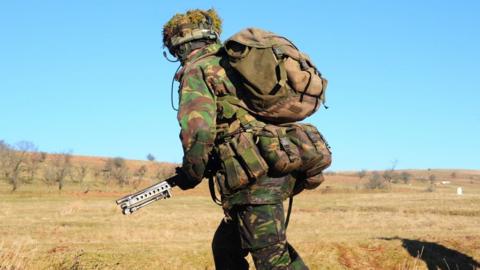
[249, 155]
[242, 161]
[235, 174]
[294, 148]
[278, 150]
[316, 154]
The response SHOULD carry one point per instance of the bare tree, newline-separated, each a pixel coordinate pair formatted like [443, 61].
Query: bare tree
[78, 173]
[4, 151]
[431, 187]
[140, 172]
[33, 163]
[13, 162]
[57, 171]
[375, 181]
[405, 176]
[4, 154]
[97, 173]
[361, 174]
[117, 169]
[389, 175]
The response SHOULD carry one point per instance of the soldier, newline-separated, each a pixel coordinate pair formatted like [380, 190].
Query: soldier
[254, 215]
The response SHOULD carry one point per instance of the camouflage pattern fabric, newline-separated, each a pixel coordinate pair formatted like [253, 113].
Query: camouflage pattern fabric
[197, 118]
[257, 224]
[260, 230]
[181, 25]
[202, 79]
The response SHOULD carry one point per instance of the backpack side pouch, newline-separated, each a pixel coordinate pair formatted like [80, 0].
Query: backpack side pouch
[299, 149]
[315, 151]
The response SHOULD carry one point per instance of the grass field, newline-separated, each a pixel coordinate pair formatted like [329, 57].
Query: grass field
[338, 226]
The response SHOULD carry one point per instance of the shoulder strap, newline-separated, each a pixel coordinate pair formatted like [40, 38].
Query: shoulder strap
[289, 211]
[211, 187]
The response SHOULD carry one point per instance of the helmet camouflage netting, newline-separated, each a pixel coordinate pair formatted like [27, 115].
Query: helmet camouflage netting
[192, 25]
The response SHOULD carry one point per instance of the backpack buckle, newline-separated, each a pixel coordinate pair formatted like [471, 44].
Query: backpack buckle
[278, 52]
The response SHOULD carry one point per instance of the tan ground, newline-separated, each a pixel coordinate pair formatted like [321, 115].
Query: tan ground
[338, 226]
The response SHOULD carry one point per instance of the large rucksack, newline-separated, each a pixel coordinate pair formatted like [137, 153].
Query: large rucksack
[278, 83]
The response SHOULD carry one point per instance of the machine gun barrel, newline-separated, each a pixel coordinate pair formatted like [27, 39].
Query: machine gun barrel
[144, 197]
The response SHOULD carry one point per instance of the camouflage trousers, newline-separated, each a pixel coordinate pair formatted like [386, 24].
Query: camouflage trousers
[258, 230]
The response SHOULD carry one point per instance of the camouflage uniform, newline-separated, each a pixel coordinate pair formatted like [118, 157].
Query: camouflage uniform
[256, 223]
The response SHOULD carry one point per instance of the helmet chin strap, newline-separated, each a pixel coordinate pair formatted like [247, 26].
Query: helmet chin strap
[182, 53]
[171, 89]
[173, 79]
[168, 59]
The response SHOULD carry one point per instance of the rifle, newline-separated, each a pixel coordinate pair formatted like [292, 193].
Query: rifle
[144, 197]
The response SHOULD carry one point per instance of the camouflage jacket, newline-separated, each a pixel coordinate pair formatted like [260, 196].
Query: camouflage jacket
[203, 79]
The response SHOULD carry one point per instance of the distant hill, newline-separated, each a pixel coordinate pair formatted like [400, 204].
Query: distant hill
[35, 170]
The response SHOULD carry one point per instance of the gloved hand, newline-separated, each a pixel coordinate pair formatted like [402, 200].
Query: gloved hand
[183, 181]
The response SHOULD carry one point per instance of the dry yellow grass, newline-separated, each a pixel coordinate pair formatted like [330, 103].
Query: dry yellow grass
[336, 227]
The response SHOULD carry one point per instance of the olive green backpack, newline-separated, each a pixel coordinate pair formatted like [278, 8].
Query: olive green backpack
[279, 83]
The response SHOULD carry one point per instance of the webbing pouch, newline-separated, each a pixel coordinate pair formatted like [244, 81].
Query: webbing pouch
[294, 148]
[235, 174]
[315, 151]
[242, 161]
[280, 153]
[249, 156]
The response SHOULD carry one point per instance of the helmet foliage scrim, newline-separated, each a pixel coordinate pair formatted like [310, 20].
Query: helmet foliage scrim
[193, 25]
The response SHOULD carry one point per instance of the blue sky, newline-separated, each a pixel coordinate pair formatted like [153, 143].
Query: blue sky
[89, 76]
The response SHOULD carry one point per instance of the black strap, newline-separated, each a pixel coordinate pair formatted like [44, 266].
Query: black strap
[211, 187]
[289, 211]
[307, 86]
[171, 88]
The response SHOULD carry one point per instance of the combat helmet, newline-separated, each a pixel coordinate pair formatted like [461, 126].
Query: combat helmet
[194, 29]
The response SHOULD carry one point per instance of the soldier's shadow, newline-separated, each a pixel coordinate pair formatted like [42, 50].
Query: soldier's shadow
[437, 256]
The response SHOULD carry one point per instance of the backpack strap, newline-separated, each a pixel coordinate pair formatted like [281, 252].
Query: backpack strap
[285, 143]
[211, 187]
[307, 86]
[289, 211]
[282, 71]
